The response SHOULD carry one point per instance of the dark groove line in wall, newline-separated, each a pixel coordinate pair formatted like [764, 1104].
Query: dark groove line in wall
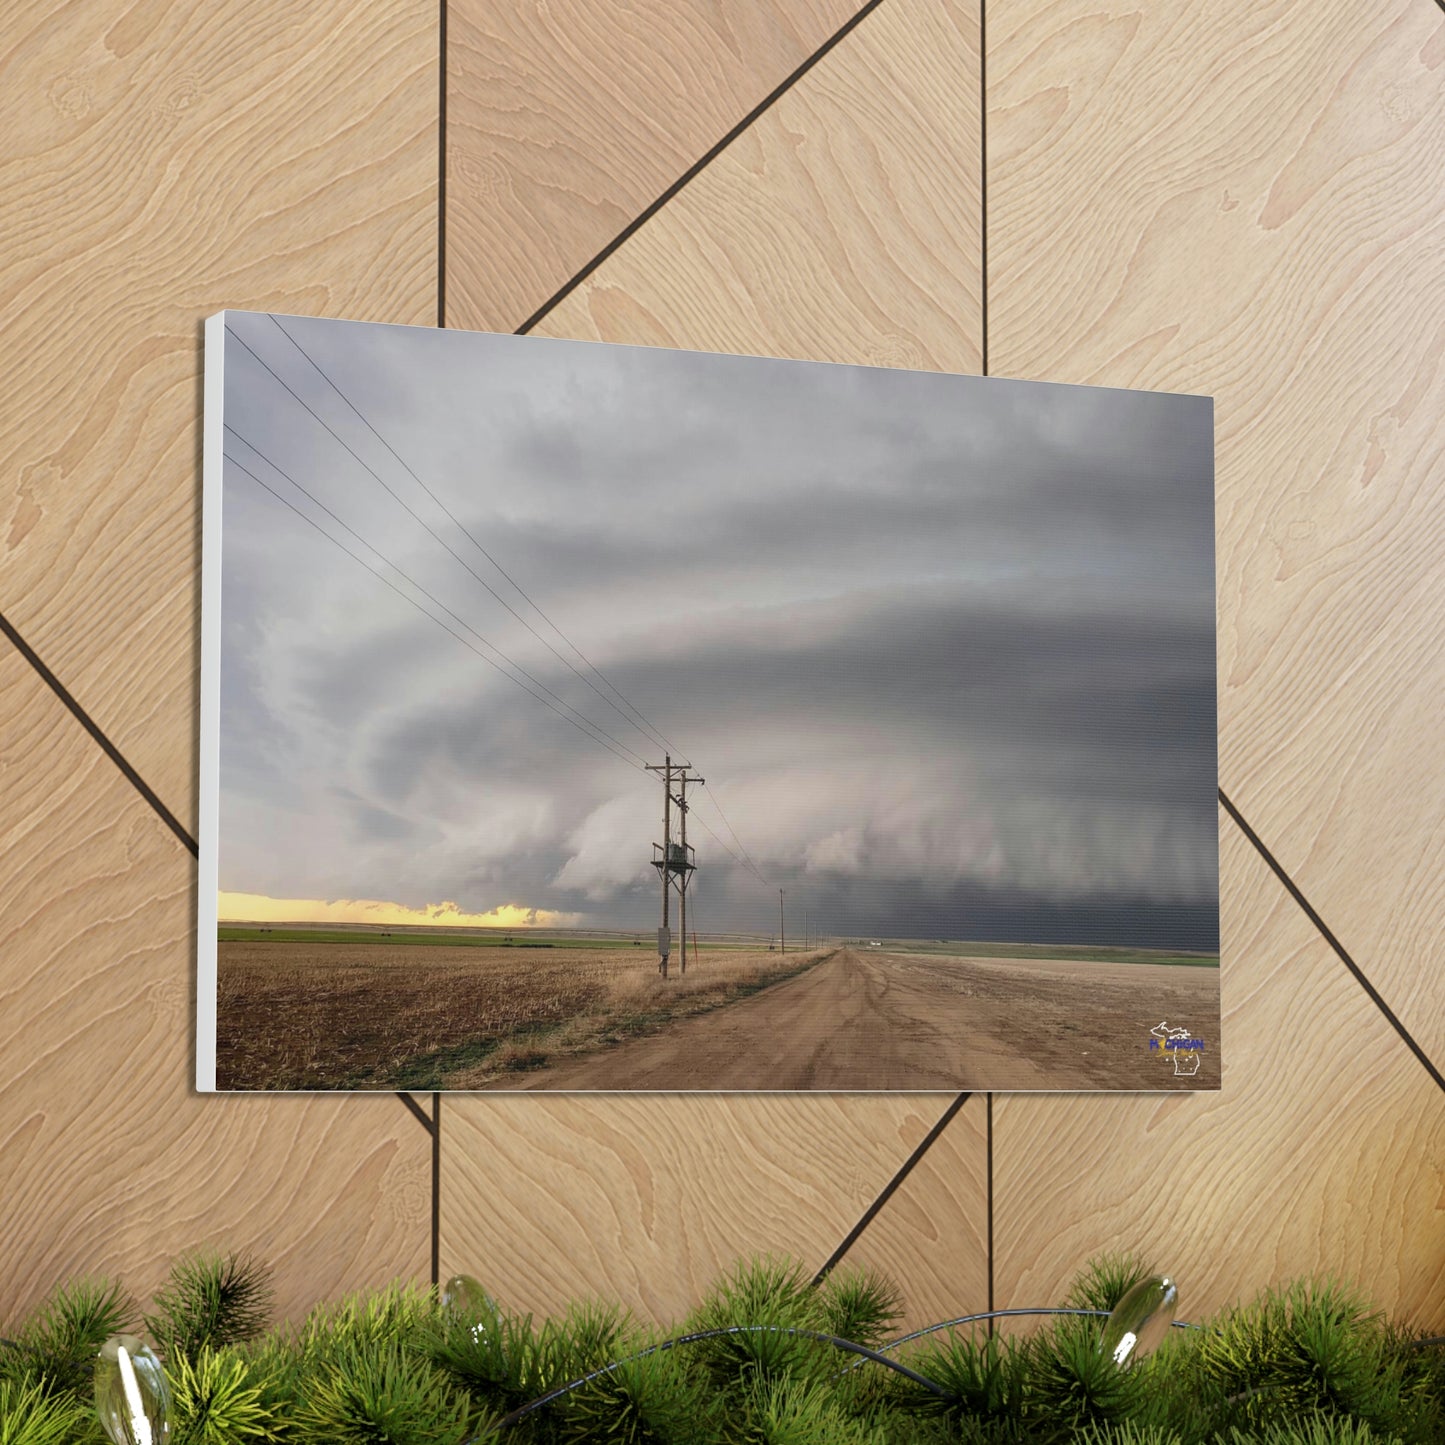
[442, 168]
[983, 328]
[135, 779]
[106, 746]
[983, 196]
[1292, 888]
[436, 1187]
[989, 1170]
[416, 1109]
[851, 1238]
[696, 168]
[434, 1125]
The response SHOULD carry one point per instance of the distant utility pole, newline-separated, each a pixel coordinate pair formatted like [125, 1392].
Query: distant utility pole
[673, 861]
[782, 924]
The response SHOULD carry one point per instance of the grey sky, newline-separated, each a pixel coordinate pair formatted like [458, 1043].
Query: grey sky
[943, 647]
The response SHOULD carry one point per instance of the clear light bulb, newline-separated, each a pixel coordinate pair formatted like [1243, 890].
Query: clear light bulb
[131, 1393]
[467, 1306]
[1140, 1320]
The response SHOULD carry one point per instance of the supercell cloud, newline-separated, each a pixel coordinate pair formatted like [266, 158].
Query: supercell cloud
[942, 647]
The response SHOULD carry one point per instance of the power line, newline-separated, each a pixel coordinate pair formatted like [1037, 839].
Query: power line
[703, 823]
[713, 796]
[571, 715]
[436, 536]
[637, 719]
[578, 720]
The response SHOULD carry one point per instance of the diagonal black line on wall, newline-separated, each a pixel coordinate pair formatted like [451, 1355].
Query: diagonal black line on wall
[417, 1109]
[926, 1143]
[138, 783]
[433, 1126]
[1293, 889]
[106, 746]
[697, 167]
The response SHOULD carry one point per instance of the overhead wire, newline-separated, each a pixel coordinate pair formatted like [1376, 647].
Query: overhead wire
[411, 511]
[722, 843]
[637, 718]
[571, 715]
[757, 872]
[556, 704]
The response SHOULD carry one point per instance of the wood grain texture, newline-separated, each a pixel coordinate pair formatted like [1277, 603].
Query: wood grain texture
[931, 1236]
[111, 1164]
[1244, 200]
[567, 119]
[842, 226]
[161, 162]
[1324, 1152]
[648, 1198]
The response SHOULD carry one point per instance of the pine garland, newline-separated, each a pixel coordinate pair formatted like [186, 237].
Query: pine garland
[763, 1363]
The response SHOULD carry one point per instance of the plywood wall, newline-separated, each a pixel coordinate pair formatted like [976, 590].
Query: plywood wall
[1233, 198]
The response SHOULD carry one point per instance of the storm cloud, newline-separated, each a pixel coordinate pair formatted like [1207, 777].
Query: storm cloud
[943, 647]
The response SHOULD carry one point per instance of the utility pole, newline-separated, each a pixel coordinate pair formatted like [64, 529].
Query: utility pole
[782, 925]
[673, 861]
[687, 857]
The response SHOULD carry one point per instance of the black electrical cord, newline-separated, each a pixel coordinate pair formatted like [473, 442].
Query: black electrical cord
[522, 1411]
[1001, 1314]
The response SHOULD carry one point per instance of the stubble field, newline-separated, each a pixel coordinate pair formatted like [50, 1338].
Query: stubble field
[382, 1015]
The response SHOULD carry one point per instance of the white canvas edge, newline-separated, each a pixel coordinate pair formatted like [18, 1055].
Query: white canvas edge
[209, 780]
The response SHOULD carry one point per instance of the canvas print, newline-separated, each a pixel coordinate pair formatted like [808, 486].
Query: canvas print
[592, 717]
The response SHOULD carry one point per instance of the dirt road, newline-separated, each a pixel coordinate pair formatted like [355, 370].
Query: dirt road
[872, 1020]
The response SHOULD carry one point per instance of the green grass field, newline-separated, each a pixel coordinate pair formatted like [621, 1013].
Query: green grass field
[646, 942]
[438, 938]
[1075, 952]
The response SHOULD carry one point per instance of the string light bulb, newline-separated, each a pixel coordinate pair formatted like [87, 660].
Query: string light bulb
[131, 1394]
[1140, 1320]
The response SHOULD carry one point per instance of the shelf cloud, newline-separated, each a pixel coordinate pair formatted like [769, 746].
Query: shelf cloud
[943, 647]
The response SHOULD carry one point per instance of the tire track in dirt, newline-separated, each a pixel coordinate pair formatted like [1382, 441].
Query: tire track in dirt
[899, 1021]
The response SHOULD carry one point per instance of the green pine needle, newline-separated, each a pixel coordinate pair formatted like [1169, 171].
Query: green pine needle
[859, 1305]
[379, 1394]
[765, 1304]
[215, 1400]
[32, 1415]
[58, 1344]
[1319, 1429]
[211, 1300]
[587, 1337]
[1128, 1435]
[1105, 1280]
[492, 1359]
[1314, 1346]
[794, 1412]
[1306, 1365]
[655, 1400]
[985, 1374]
[401, 1311]
[1074, 1383]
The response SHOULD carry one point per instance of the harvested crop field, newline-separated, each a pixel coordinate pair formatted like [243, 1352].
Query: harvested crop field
[378, 1015]
[865, 1019]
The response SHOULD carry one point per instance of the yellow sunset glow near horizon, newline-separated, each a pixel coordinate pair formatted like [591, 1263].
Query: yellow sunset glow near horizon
[258, 908]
